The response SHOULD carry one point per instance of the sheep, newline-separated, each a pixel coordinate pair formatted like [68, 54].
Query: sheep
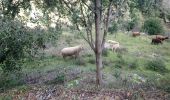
[70, 51]
[156, 41]
[112, 42]
[134, 34]
[115, 47]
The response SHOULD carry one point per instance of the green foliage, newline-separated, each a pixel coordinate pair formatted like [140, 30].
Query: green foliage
[91, 60]
[156, 65]
[117, 73]
[17, 42]
[130, 25]
[120, 61]
[80, 62]
[164, 83]
[113, 28]
[9, 80]
[153, 26]
[134, 64]
[11, 9]
[105, 52]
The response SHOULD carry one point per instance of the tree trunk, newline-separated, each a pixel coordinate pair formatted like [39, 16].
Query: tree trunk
[98, 42]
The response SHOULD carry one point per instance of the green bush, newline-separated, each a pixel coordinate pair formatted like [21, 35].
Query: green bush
[153, 26]
[130, 25]
[9, 80]
[113, 28]
[120, 61]
[17, 42]
[156, 65]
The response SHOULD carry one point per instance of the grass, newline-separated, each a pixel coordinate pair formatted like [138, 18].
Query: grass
[140, 51]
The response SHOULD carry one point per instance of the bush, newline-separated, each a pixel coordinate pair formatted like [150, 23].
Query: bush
[130, 25]
[156, 65]
[153, 26]
[120, 62]
[17, 42]
[9, 80]
[113, 28]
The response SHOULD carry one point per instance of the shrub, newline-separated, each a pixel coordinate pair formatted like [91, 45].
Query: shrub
[17, 43]
[153, 26]
[120, 62]
[130, 25]
[156, 65]
[9, 80]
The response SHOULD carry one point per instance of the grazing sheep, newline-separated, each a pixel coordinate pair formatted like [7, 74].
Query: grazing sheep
[112, 42]
[115, 47]
[134, 34]
[156, 41]
[162, 37]
[70, 51]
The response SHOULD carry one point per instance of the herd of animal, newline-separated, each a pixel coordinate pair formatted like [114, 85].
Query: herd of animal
[109, 44]
[157, 39]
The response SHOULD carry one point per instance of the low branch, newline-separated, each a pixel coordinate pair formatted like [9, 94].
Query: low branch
[106, 23]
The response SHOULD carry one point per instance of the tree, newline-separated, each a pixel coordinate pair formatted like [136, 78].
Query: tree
[83, 13]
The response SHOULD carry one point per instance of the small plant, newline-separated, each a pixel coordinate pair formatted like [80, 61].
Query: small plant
[164, 83]
[120, 62]
[117, 74]
[156, 65]
[134, 64]
[153, 26]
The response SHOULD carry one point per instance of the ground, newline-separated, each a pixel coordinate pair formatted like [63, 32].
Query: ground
[125, 74]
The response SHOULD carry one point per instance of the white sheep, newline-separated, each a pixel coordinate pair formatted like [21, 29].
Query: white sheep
[115, 47]
[70, 51]
[112, 42]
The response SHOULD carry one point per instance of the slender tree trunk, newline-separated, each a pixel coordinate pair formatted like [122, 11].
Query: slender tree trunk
[98, 42]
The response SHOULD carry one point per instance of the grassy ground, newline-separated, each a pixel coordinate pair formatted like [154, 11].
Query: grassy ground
[127, 70]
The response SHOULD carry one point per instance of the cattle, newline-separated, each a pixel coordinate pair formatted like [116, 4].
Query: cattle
[135, 34]
[156, 41]
[162, 37]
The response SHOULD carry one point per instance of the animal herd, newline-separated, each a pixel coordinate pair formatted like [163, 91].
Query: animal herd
[157, 39]
[109, 44]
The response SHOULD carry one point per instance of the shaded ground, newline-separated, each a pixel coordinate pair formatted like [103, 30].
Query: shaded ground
[57, 92]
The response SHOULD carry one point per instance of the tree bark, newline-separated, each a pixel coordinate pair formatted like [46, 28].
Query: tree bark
[98, 41]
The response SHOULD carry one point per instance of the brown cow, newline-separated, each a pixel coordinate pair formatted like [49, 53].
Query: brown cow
[162, 37]
[134, 34]
[156, 41]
